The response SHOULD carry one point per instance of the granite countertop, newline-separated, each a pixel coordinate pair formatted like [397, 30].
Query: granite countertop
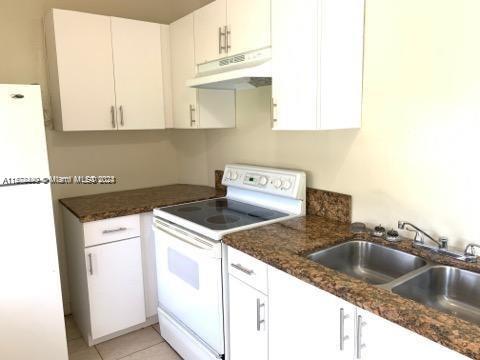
[284, 245]
[108, 205]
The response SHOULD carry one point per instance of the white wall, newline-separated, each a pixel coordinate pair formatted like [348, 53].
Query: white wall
[416, 156]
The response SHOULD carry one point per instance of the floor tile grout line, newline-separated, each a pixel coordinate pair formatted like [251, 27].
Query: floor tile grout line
[123, 357]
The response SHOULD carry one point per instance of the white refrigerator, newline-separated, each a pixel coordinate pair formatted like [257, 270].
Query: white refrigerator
[31, 311]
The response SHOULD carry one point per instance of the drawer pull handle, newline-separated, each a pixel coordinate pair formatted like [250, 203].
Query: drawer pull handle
[109, 231]
[90, 264]
[343, 337]
[242, 269]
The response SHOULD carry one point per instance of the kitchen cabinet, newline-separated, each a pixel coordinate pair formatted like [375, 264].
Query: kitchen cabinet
[331, 328]
[195, 108]
[109, 285]
[95, 82]
[230, 27]
[248, 322]
[248, 25]
[380, 339]
[315, 316]
[248, 307]
[320, 88]
[115, 286]
[209, 27]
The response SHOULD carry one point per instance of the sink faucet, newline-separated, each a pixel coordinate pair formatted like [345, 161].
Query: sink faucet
[468, 254]
[442, 242]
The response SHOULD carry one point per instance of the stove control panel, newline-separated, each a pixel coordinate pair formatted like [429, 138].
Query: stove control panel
[287, 183]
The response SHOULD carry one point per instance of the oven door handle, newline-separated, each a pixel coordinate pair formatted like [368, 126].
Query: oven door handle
[185, 237]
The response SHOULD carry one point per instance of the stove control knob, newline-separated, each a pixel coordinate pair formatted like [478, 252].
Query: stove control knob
[234, 176]
[277, 183]
[228, 175]
[263, 181]
[286, 185]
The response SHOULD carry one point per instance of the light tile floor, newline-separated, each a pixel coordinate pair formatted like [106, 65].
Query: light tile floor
[144, 344]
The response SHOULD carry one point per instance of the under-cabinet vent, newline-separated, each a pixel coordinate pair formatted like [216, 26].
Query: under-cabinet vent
[232, 60]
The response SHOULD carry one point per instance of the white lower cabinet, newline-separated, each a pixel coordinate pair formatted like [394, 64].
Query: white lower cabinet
[304, 322]
[248, 321]
[111, 271]
[115, 286]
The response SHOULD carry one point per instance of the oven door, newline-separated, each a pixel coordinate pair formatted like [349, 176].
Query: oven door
[189, 276]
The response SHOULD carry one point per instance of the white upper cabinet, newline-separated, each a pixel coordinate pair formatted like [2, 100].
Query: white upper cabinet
[248, 25]
[317, 64]
[82, 82]
[194, 108]
[107, 73]
[230, 27]
[137, 55]
[210, 22]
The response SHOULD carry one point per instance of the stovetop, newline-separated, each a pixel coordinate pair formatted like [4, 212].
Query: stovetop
[223, 213]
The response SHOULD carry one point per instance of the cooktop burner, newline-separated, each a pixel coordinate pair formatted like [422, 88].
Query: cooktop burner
[223, 213]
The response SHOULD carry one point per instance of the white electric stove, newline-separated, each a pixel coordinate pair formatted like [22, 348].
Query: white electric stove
[189, 252]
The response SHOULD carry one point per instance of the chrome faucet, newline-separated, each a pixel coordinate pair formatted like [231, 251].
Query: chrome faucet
[418, 240]
[468, 254]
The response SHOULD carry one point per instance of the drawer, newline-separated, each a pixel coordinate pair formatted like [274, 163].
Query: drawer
[247, 269]
[108, 230]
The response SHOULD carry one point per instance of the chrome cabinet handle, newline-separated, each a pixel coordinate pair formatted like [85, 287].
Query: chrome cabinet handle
[259, 321]
[360, 346]
[90, 265]
[112, 113]
[274, 108]
[227, 33]
[242, 269]
[121, 115]
[343, 337]
[192, 118]
[221, 34]
[109, 231]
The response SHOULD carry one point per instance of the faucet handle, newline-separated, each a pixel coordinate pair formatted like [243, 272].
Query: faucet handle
[443, 240]
[470, 254]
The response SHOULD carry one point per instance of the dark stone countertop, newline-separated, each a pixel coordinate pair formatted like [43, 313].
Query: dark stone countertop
[284, 245]
[108, 205]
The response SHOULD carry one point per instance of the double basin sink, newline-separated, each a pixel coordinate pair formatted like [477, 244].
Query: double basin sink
[448, 289]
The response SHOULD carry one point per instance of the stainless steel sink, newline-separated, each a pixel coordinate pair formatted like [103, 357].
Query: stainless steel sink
[447, 289]
[370, 262]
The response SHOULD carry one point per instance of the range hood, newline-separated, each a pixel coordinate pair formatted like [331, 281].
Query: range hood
[237, 72]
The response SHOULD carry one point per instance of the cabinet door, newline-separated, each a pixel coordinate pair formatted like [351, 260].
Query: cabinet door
[81, 47]
[294, 64]
[305, 322]
[115, 286]
[183, 69]
[341, 64]
[248, 322]
[209, 22]
[249, 25]
[137, 55]
[381, 339]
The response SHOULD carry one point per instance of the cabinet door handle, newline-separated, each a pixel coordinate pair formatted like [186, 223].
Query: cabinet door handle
[242, 269]
[360, 345]
[274, 111]
[112, 113]
[343, 337]
[228, 44]
[221, 34]
[90, 264]
[121, 115]
[192, 118]
[259, 320]
[109, 231]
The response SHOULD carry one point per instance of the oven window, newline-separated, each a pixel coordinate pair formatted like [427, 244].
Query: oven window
[183, 267]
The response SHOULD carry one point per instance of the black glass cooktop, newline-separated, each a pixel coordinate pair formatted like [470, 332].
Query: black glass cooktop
[223, 214]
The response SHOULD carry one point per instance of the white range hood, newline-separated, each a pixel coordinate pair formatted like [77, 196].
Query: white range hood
[238, 72]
